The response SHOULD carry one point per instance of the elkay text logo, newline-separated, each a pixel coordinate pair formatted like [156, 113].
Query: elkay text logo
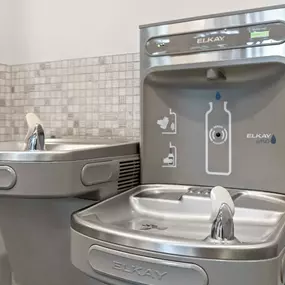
[210, 40]
[138, 270]
[262, 138]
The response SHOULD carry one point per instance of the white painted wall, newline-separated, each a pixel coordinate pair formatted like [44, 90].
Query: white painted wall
[60, 29]
[6, 32]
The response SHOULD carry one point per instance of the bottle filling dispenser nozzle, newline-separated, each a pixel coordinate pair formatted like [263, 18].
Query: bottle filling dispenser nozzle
[215, 74]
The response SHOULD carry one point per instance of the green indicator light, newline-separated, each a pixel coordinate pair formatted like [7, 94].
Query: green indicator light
[159, 45]
[260, 34]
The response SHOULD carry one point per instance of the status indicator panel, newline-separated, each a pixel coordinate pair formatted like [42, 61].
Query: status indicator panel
[229, 38]
[259, 34]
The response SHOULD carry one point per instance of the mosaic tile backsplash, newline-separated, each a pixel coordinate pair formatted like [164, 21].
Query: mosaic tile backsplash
[5, 102]
[89, 97]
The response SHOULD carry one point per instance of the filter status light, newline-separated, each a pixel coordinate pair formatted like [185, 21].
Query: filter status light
[259, 34]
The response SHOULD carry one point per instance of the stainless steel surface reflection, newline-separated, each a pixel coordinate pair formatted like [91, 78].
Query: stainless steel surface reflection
[63, 149]
[176, 220]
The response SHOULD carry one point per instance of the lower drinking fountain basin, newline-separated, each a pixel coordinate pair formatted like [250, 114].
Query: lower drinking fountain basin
[176, 220]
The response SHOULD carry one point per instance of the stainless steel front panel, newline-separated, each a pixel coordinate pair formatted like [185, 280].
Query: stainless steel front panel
[221, 39]
[234, 272]
[221, 57]
[136, 269]
[36, 236]
[224, 108]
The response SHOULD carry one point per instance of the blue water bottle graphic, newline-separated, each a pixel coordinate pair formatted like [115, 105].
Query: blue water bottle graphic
[218, 138]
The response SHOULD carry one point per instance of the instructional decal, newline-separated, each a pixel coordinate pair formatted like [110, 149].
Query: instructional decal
[171, 159]
[218, 139]
[168, 124]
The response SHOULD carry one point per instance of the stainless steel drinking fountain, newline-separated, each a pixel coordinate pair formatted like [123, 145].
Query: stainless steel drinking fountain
[211, 207]
[39, 191]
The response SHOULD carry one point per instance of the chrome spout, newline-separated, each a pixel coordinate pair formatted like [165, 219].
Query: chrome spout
[36, 141]
[223, 225]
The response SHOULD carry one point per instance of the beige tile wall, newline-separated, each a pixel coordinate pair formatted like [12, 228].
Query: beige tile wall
[89, 97]
[5, 102]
